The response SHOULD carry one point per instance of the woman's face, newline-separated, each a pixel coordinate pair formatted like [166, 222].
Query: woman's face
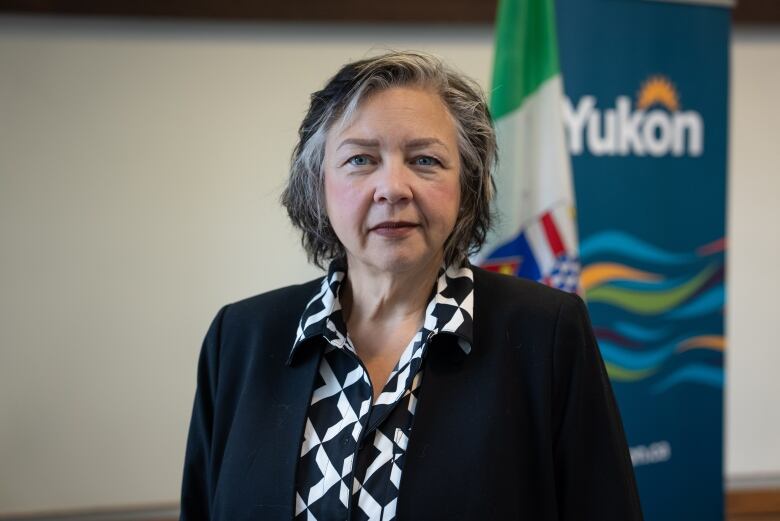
[392, 181]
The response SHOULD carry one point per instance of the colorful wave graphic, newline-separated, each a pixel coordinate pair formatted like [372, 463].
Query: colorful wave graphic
[629, 365]
[598, 274]
[715, 342]
[657, 313]
[652, 299]
[619, 243]
[694, 373]
[640, 333]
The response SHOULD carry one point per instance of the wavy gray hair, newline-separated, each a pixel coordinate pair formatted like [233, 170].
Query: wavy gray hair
[337, 102]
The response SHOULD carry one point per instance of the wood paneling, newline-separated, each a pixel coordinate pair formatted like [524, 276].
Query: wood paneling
[428, 11]
[744, 502]
[148, 512]
[741, 505]
[761, 12]
[403, 11]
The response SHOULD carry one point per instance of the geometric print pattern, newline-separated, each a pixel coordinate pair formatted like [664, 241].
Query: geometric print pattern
[353, 450]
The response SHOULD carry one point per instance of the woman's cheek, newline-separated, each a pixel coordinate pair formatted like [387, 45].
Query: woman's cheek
[347, 205]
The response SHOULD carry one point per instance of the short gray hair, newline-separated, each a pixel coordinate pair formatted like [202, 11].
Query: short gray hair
[304, 195]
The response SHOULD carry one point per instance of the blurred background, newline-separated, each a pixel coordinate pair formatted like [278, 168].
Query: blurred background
[141, 161]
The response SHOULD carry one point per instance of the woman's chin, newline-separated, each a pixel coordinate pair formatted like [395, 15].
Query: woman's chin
[398, 262]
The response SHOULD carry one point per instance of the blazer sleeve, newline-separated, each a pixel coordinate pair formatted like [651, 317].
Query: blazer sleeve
[198, 481]
[593, 472]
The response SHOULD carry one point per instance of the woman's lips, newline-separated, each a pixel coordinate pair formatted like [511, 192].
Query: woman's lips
[395, 229]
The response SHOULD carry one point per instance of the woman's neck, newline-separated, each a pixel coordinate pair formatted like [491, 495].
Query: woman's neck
[371, 295]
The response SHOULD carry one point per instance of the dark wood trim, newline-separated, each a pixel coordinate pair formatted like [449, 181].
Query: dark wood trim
[739, 503]
[753, 501]
[168, 511]
[757, 12]
[763, 12]
[396, 11]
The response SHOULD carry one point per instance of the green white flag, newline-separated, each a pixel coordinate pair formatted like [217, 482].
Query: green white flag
[536, 236]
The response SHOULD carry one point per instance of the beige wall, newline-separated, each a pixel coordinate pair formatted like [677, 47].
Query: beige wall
[753, 273]
[140, 166]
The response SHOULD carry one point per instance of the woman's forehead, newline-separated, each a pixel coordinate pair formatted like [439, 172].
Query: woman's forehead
[402, 113]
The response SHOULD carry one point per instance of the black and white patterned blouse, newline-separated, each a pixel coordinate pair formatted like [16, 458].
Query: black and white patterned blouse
[352, 452]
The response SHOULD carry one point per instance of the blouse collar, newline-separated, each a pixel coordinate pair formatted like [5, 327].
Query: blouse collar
[450, 310]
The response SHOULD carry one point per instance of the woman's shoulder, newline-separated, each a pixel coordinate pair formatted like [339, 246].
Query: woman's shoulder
[518, 292]
[281, 307]
[281, 297]
[525, 308]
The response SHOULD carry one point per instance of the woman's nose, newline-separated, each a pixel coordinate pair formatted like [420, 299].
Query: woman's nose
[393, 183]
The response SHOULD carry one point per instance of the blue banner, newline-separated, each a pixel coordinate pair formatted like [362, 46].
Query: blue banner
[646, 120]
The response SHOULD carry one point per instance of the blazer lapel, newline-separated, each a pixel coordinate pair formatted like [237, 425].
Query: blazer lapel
[277, 405]
[445, 412]
[456, 402]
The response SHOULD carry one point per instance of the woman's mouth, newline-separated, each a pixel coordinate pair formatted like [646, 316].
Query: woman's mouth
[394, 229]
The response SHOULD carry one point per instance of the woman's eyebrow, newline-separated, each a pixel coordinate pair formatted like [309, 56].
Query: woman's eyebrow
[360, 142]
[424, 142]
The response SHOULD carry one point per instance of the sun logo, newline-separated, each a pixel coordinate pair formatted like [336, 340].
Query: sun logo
[658, 90]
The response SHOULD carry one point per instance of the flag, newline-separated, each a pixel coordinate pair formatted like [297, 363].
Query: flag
[536, 233]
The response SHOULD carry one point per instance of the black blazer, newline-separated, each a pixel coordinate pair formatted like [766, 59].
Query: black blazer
[523, 427]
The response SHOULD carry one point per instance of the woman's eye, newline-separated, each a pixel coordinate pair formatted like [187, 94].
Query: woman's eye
[359, 160]
[426, 161]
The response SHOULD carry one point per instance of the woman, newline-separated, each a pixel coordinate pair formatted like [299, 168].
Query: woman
[406, 383]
